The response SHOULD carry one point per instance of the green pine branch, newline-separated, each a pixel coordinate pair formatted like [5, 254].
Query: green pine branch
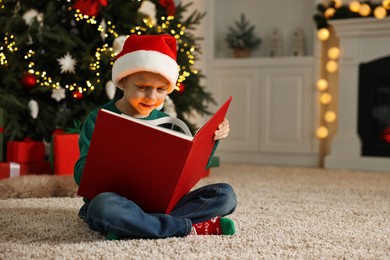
[59, 33]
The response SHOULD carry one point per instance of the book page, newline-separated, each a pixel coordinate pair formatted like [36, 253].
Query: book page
[145, 122]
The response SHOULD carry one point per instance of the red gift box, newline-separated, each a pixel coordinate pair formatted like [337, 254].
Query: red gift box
[13, 169]
[66, 152]
[25, 151]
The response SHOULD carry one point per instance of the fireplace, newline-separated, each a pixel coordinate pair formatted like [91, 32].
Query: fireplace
[374, 107]
[360, 141]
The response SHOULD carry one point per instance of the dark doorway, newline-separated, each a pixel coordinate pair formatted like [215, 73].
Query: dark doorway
[374, 107]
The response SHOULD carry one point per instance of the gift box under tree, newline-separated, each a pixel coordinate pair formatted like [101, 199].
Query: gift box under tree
[23, 158]
[25, 151]
[65, 149]
[66, 152]
[13, 169]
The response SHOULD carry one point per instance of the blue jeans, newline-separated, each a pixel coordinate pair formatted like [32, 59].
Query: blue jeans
[110, 212]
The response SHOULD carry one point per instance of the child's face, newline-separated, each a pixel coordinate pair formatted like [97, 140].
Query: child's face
[144, 91]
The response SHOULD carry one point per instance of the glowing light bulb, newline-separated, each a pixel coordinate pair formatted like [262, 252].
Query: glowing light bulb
[329, 12]
[332, 66]
[325, 98]
[386, 4]
[322, 132]
[338, 3]
[334, 53]
[323, 34]
[365, 10]
[354, 6]
[322, 84]
[380, 12]
[330, 116]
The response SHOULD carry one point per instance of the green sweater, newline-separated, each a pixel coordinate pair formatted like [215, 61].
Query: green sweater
[87, 130]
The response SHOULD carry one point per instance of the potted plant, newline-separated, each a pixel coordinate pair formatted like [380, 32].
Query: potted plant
[241, 37]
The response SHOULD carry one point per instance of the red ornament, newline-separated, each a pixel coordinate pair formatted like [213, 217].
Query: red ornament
[77, 95]
[181, 88]
[28, 81]
[169, 6]
[89, 7]
[386, 135]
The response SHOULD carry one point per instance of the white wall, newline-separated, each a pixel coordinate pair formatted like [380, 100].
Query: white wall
[284, 15]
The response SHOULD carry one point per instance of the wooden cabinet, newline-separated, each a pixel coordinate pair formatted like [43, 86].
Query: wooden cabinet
[271, 115]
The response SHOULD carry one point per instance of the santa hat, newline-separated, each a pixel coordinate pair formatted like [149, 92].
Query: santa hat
[152, 53]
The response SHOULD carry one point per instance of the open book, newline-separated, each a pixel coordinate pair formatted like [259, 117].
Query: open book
[150, 165]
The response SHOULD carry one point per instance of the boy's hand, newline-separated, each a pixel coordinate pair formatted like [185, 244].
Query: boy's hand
[223, 130]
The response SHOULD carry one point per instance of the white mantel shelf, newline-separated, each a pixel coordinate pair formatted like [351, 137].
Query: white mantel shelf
[262, 61]
[361, 26]
[361, 40]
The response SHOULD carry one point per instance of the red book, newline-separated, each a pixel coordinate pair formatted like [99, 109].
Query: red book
[150, 165]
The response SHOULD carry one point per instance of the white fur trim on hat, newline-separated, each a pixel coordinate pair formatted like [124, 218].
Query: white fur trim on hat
[145, 60]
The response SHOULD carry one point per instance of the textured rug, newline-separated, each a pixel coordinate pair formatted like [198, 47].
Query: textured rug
[283, 213]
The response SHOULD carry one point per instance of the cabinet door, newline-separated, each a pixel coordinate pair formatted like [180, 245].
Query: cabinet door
[286, 120]
[243, 85]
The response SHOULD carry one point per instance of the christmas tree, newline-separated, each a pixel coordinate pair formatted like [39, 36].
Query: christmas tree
[56, 58]
[242, 35]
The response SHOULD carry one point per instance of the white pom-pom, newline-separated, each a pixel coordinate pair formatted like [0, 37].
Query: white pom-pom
[118, 43]
[110, 89]
[34, 108]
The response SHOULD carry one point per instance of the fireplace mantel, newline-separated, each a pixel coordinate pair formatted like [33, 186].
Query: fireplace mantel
[361, 40]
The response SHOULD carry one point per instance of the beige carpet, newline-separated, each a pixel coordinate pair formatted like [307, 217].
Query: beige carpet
[283, 213]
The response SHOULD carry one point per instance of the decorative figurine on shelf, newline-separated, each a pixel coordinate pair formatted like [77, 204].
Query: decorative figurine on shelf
[298, 43]
[242, 38]
[276, 45]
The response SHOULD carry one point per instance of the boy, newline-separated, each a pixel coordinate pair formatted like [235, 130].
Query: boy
[146, 71]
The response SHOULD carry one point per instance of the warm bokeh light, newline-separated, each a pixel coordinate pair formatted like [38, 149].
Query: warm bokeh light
[332, 66]
[354, 6]
[329, 12]
[334, 53]
[338, 3]
[323, 34]
[330, 116]
[322, 132]
[365, 10]
[325, 98]
[322, 84]
[380, 12]
[386, 4]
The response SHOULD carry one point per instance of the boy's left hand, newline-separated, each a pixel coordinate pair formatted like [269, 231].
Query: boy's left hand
[223, 130]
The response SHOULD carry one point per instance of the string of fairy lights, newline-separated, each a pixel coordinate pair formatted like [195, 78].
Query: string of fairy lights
[45, 80]
[359, 9]
[106, 50]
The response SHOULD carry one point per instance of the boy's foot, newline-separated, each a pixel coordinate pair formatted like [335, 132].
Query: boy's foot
[214, 226]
